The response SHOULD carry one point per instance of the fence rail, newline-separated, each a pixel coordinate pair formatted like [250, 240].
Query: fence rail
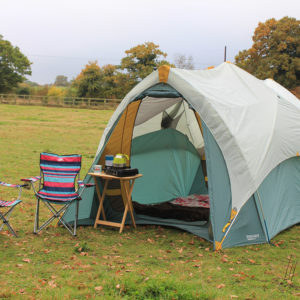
[78, 102]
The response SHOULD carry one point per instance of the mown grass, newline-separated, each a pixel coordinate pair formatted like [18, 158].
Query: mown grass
[148, 263]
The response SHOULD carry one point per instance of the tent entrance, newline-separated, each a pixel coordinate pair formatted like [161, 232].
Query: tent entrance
[167, 147]
[162, 136]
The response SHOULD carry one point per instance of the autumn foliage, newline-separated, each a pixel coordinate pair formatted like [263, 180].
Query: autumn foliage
[115, 81]
[275, 52]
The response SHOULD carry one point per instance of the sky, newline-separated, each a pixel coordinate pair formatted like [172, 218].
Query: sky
[60, 37]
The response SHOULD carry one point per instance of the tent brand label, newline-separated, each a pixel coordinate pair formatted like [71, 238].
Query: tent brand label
[251, 237]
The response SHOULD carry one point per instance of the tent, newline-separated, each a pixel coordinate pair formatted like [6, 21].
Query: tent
[220, 132]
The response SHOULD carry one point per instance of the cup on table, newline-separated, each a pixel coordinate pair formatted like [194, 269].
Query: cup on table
[97, 169]
[109, 160]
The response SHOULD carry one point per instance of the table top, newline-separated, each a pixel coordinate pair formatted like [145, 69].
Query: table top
[108, 176]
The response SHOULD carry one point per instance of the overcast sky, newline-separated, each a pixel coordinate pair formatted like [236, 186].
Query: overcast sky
[60, 36]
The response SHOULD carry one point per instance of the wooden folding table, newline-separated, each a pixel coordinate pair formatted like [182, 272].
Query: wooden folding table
[126, 184]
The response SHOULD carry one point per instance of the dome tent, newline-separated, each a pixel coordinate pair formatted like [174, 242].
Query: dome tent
[249, 130]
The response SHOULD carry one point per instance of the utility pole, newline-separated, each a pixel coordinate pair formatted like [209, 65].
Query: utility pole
[225, 53]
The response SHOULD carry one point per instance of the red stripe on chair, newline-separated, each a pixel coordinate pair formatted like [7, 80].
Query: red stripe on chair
[50, 198]
[60, 169]
[59, 184]
[8, 203]
[61, 158]
[64, 175]
[71, 195]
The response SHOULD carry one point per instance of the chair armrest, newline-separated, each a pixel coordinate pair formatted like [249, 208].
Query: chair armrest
[12, 185]
[31, 179]
[82, 184]
[90, 184]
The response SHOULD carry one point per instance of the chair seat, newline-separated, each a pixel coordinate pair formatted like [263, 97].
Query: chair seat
[9, 203]
[45, 195]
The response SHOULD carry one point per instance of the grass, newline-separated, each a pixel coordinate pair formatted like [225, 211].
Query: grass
[151, 262]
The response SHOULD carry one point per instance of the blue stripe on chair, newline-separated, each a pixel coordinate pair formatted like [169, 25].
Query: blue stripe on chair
[61, 179]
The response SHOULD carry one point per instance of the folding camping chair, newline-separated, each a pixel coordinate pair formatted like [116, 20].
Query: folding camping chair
[57, 188]
[6, 207]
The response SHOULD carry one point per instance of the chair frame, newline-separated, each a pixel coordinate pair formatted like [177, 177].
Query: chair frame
[56, 213]
[4, 216]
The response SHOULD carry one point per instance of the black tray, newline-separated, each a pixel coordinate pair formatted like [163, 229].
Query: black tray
[121, 172]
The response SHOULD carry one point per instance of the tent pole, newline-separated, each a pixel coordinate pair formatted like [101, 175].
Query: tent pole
[262, 211]
[228, 229]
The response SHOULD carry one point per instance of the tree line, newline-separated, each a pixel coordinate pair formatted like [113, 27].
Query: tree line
[275, 53]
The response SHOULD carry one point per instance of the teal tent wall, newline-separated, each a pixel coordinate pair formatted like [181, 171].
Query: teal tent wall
[280, 196]
[247, 228]
[248, 221]
[169, 164]
[218, 184]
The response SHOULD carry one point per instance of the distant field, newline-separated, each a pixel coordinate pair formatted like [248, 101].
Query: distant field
[147, 263]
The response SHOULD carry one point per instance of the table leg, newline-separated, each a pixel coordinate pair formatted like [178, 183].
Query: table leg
[101, 200]
[124, 197]
[129, 193]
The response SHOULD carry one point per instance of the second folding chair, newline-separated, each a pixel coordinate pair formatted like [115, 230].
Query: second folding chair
[7, 207]
[57, 188]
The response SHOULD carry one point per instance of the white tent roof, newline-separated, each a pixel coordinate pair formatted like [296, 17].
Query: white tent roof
[256, 124]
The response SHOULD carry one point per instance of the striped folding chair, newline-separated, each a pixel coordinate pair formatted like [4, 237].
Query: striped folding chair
[57, 188]
[6, 207]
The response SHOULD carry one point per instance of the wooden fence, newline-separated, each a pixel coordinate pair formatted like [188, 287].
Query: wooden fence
[78, 102]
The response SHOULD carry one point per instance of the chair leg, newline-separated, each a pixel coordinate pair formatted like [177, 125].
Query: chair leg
[5, 220]
[4, 217]
[76, 217]
[59, 214]
[10, 229]
[36, 221]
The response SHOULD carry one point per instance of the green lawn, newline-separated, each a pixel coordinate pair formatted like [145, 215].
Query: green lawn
[147, 263]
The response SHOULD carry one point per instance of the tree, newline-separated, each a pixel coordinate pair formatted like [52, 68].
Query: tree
[56, 92]
[88, 82]
[182, 62]
[141, 60]
[14, 65]
[275, 52]
[114, 84]
[23, 89]
[61, 80]
[112, 81]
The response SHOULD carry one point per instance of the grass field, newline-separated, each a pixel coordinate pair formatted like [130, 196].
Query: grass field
[147, 263]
